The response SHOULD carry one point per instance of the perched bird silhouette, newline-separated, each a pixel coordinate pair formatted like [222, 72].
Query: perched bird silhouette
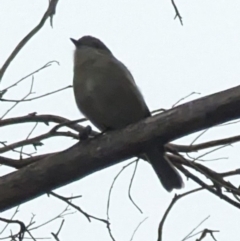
[106, 93]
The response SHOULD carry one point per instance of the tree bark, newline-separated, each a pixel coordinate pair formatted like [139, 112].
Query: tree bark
[103, 151]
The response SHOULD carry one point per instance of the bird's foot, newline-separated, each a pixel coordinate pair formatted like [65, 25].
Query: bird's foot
[84, 134]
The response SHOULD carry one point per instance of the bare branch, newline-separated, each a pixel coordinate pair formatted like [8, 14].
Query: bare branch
[34, 127]
[209, 188]
[37, 97]
[46, 119]
[29, 93]
[205, 232]
[204, 145]
[36, 141]
[230, 173]
[193, 93]
[68, 201]
[177, 12]
[174, 200]
[64, 213]
[130, 187]
[109, 196]
[48, 64]
[13, 150]
[14, 214]
[22, 230]
[18, 164]
[189, 235]
[138, 226]
[48, 14]
[55, 235]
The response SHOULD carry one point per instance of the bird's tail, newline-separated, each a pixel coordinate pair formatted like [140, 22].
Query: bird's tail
[167, 174]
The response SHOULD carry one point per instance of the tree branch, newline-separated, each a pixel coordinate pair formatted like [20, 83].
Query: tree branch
[106, 150]
[48, 14]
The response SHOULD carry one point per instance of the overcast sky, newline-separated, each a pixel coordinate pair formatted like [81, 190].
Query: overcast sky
[168, 62]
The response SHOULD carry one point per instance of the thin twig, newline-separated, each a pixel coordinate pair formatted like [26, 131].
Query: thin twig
[36, 141]
[29, 93]
[130, 187]
[48, 14]
[177, 12]
[61, 215]
[189, 235]
[48, 64]
[37, 97]
[174, 200]
[193, 93]
[138, 226]
[13, 150]
[14, 214]
[209, 188]
[204, 145]
[34, 127]
[109, 197]
[22, 230]
[111, 187]
[211, 151]
[88, 216]
[205, 232]
[55, 235]
[46, 119]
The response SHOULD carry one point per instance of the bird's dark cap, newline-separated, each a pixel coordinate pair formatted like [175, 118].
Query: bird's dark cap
[91, 42]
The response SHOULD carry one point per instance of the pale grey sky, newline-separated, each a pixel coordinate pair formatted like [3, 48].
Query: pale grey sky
[168, 62]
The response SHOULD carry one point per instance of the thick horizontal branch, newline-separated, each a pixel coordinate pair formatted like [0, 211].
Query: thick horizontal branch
[106, 150]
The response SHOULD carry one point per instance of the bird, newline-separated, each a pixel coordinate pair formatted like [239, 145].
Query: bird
[106, 93]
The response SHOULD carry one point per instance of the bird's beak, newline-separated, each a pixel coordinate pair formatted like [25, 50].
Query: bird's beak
[75, 42]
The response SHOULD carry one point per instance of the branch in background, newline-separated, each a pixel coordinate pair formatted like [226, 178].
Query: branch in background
[130, 187]
[18, 164]
[55, 235]
[13, 150]
[184, 98]
[21, 152]
[204, 145]
[33, 117]
[37, 97]
[29, 93]
[69, 202]
[48, 14]
[230, 173]
[67, 211]
[14, 214]
[177, 12]
[204, 232]
[216, 178]
[209, 188]
[136, 229]
[191, 233]
[174, 200]
[109, 196]
[36, 141]
[48, 64]
[23, 229]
